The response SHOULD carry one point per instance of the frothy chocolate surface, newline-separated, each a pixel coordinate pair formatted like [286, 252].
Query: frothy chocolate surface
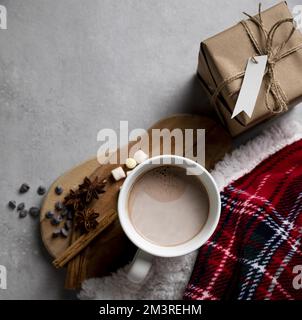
[167, 206]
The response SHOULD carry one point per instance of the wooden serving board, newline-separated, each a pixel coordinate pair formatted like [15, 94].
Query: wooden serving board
[112, 249]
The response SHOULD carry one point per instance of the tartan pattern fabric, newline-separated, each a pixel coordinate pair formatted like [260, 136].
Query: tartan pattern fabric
[257, 244]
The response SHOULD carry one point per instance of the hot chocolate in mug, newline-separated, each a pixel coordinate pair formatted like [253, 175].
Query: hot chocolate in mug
[168, 206]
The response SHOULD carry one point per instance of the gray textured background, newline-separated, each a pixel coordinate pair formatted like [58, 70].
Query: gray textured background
[70, 68]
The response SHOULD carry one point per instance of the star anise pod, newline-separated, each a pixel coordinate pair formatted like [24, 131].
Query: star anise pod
[73, 200]
[92, 189]
[86, 219]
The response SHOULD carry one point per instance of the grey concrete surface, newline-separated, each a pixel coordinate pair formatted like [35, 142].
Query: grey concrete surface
[70, 68]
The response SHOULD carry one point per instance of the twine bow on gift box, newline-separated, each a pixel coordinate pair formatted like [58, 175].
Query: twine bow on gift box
[274, 54]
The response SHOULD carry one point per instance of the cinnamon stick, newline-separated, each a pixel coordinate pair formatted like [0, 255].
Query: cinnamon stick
[83, 241]
[73, 267]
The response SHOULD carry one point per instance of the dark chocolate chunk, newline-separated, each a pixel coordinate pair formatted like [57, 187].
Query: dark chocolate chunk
[24, 188]
[12, 204]
[49, 214]
[41, 190]
[34, 211]
[56, 233]
[23, 213]
[21, 206]
[58, 190]
[55, 221]
[59, 206]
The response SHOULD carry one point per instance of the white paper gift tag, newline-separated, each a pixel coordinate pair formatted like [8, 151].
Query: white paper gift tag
[251, 84]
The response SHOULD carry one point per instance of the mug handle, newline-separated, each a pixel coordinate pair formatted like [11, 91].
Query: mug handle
[140, 266]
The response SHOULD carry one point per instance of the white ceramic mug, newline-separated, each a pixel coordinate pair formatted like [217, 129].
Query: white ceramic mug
[143, 260]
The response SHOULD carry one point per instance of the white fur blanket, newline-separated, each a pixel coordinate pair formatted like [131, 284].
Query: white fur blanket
[169, 276]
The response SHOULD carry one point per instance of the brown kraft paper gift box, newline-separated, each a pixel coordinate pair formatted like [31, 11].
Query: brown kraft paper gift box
[226, 54]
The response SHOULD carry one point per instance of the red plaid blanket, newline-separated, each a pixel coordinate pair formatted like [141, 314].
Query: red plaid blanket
[256, 252]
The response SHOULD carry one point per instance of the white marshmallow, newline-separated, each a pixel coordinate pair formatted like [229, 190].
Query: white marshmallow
[130, 163]
[118, 173]
[140, 156]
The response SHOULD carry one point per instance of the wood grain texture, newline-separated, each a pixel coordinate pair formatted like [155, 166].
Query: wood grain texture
[112, 248]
